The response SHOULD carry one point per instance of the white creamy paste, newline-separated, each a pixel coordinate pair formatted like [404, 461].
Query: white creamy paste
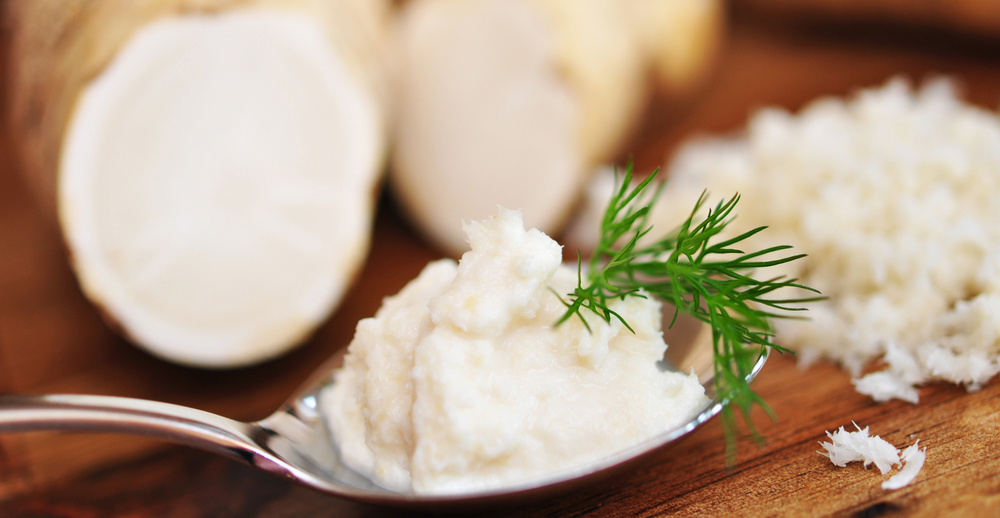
[460, 383]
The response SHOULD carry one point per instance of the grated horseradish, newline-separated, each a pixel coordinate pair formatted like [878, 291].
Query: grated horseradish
[460, 383]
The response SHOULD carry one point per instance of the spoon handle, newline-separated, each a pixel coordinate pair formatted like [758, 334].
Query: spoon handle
[130, 416]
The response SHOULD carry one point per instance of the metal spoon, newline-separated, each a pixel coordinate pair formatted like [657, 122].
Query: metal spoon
[294, 442]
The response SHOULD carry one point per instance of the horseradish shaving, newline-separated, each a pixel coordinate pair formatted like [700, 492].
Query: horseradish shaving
[848, 447]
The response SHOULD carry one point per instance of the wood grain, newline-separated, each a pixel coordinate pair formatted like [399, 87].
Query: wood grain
[51, 339]
[977, 17]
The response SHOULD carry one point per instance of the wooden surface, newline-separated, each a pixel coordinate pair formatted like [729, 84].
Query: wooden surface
[976, 16]
[52, 340]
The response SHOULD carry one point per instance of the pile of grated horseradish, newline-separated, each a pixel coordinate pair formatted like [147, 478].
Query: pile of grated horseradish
[893, 195]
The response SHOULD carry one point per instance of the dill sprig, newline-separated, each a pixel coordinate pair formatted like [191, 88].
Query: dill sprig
[709, 281]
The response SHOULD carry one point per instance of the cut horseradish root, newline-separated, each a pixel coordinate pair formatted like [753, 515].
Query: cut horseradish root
[215, 180]
[512, 103]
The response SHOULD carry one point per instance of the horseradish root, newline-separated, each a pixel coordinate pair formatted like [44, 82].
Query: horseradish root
[513, 102]
[678, 37]
[212, 164]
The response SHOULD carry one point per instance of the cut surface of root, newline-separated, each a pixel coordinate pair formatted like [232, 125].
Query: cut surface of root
[216, 184]
[482, 114]
[505, 103]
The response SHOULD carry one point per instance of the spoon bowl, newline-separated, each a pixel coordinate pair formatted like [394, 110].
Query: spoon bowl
[294, 442]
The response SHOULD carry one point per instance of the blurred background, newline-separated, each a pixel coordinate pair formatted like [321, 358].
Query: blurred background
[749, 54]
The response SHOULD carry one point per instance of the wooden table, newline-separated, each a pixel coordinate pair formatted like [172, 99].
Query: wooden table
[53, 340]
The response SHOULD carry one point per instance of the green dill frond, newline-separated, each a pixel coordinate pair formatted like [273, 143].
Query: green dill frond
[701, 276]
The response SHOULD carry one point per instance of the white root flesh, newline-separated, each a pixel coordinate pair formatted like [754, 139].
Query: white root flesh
[505, 103]
[514, 102]
[216, 178]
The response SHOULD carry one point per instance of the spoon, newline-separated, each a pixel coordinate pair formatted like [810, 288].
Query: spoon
[294, 442]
